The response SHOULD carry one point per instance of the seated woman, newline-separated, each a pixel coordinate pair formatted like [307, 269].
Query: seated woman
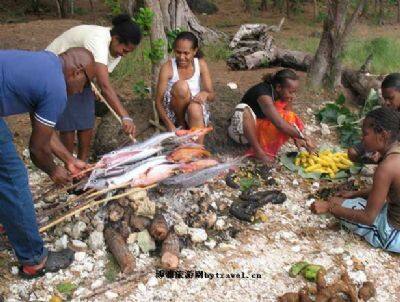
[391, 95]
[374, 214]
[184, 86]
[264, 118]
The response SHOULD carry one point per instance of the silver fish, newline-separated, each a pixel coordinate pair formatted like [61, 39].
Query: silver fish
[135, 173]
[132, 156]
[199, 177]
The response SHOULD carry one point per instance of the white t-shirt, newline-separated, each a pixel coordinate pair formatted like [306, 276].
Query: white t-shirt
[94, 38]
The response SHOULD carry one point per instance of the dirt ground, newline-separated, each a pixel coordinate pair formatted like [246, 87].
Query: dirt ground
[290, 228]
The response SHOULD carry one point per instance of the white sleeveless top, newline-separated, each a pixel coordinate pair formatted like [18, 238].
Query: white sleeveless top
[194, 82]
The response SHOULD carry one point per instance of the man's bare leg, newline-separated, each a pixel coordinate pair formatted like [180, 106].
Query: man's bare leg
[84, 142]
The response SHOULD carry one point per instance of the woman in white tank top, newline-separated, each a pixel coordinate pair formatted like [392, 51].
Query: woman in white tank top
[184, 86]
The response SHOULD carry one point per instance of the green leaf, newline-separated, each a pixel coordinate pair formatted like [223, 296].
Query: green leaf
[313, 175]
[329, 114]
[371, 102]
[246, 183]
[355, 169]
[341, 119]
[288, 161]
[341, 174]
[340, 100]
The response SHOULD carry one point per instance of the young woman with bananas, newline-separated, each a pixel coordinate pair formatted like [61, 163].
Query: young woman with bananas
[374, 214]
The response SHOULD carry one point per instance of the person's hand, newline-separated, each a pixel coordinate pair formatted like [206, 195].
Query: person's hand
[128, 126]
[310, 145]
[336, 201]
[375, 157]
[300, 143]
[171, 128]
[77, 167]
[346, 194]
[320, 207]
[61, 176]
[201, 97]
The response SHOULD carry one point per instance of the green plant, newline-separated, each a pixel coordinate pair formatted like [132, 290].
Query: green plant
[217, 52]
[144, 18]
[171, 36]
[140, 89]
[346, 122]
[114, 6]
[66, 288]
[156, 51]
[111, 269]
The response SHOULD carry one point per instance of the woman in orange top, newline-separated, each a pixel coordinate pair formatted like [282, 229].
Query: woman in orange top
[264, 118]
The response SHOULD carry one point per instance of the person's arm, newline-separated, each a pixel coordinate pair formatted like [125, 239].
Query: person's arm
[103, 80]
[73, 164]
[267, 106]
[207, 93]
[376, 199]
[41, 152]
[364, 193]
[165, 74]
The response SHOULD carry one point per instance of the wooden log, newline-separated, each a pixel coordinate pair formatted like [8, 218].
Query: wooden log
[159, 228]
[139, 223]
[170, 252]
[117, 246]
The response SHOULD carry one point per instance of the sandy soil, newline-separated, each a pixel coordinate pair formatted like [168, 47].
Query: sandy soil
[291, 233]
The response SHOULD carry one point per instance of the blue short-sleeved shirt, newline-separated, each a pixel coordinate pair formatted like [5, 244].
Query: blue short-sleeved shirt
[32, 82]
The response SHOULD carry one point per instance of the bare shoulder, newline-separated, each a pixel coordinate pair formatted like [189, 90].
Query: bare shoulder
[203, 63]
[166, 69]
[389, 166]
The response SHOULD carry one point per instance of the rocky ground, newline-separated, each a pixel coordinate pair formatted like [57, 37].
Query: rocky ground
[262, 251]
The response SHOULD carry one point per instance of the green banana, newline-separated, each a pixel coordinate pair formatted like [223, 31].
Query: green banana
[311, 271]
[297, 268]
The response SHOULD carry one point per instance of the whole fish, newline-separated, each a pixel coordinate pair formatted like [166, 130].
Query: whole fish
[154, 175]
[198, 178]
[122, 158]
[135, 173]
[198, 165]
[188, 153]
[153, 141]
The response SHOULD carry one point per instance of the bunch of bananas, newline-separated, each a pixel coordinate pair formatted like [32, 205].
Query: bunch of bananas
[325, 162]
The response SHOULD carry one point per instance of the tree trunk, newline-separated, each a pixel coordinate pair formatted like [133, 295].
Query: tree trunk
[61, 8]
[287, 2]
[157, 33]
[326, 68]
[247, 5]
[131, 6]
[398, 11]
[264, 5]
[315, 11]
[177, 14]
[381, 12]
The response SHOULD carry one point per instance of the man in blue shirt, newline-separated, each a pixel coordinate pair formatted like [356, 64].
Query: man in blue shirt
[36, 83]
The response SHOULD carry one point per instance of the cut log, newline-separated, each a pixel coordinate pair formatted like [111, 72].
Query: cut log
[159, 228]
[117, 246]
[253, 47]
[139, 223]
[170, 252]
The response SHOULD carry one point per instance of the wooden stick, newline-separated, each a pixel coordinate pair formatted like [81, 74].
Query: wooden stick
[88, 205]
[157, 125]
[51, 211]
[102, 99]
